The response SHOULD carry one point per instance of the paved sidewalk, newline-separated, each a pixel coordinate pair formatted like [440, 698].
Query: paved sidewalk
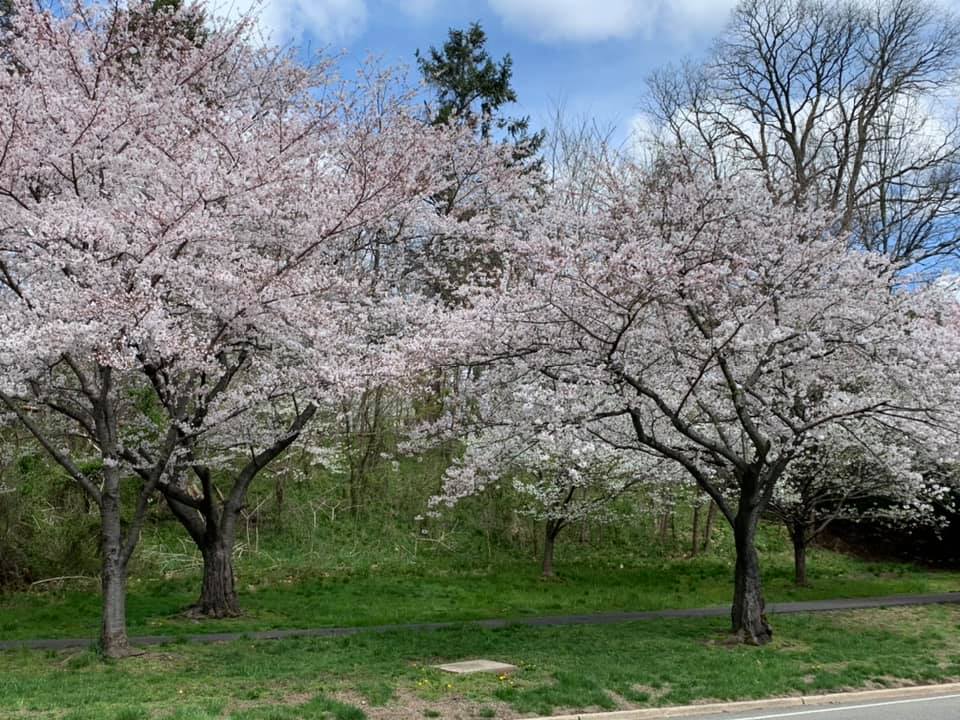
[594, 619]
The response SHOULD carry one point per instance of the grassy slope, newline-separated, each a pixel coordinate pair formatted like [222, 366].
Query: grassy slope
[304, 597]
[370, 576]
[677, 661]
[314, 565]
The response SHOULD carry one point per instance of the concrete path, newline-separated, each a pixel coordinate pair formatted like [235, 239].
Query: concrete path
[543, 621]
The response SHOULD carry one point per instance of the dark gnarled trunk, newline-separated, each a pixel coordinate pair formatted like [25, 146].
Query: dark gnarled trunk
[748, 613]
[214, 535]
[212, 523]
[218, 593]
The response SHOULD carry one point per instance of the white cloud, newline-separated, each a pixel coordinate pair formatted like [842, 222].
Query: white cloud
[640, 133]
[685, 16]
[597, 20]
[299, 21]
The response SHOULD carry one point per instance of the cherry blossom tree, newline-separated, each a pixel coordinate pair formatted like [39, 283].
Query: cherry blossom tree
[869, 479]
[96, 177]
[388, 168]
[561, 473]
[195, 258]
[723, 332]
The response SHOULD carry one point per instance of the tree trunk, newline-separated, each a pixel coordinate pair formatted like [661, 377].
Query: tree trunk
[279, 495]
[113, 579]
[664, 528]
[695, 531]
[549, 542]
[799, 557]
[708, 526]
[214, 536]
[748, 617]
[218, 594]
[215, 531]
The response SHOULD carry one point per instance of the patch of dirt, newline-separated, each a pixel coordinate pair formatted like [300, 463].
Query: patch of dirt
[838, 666]
[151, 661]
[887, 682]
[149, 656]
[790, 645]
[896, 619]
[727, 641]
[299, 698]
[620, 700]
[405, 705]
[884, 682]
[653, 693]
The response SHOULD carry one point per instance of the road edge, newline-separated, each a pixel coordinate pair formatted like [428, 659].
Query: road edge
[796, 701]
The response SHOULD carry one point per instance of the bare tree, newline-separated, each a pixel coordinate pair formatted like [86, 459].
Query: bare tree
[577, 151]
[848, 105]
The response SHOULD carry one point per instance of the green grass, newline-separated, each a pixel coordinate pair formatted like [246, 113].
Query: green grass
[314, 565]
[576, 667]
[442, 591]
[356, 573]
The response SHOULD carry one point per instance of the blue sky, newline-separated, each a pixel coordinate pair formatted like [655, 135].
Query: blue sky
[590, 55]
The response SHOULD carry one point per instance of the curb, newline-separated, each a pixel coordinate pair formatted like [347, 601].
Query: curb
[693, 711]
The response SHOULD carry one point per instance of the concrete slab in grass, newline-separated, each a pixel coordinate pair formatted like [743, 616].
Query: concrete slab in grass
[476, 666]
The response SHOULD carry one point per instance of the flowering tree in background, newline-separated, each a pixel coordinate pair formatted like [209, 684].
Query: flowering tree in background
[563, 473]
[724, 332]
[193, 259]
[860, 479]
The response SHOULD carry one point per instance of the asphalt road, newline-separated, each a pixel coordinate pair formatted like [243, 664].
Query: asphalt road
[942, 707]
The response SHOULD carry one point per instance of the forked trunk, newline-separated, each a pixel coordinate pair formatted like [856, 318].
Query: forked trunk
[214, 528]
[214, 534]
[748, 612]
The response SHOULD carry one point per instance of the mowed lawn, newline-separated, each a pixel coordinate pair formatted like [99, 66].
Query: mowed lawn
[302, 598]
[388, 676]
